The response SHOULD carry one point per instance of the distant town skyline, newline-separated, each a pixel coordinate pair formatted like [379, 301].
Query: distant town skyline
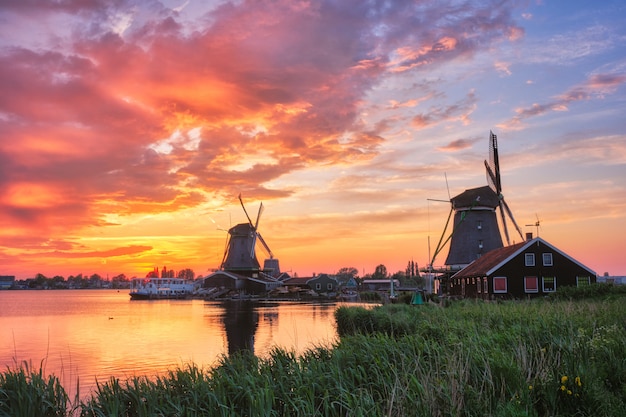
[129, 128]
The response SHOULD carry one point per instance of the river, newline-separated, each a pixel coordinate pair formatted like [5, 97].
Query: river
[89, 335]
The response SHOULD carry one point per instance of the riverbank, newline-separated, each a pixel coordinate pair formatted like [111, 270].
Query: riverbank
[549, 357]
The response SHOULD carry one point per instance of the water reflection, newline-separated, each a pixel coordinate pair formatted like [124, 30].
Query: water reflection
[241, 320]
[250, 322]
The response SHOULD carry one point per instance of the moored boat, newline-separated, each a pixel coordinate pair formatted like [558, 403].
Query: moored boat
[160, 288]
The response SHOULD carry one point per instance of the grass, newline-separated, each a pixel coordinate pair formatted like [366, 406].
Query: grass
[552, 357]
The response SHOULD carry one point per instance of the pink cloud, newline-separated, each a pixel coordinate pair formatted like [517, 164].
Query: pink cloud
[272, 87]
[595, 87]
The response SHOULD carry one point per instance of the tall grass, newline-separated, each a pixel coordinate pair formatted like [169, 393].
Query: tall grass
[539, 358]
[26, 392]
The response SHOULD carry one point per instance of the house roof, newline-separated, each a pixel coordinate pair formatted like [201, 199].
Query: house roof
[297, 281]
[493, 260]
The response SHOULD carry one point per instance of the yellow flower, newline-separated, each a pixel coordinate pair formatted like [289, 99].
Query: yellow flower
[569, 392]
[577, 380]
[563, 388]
[530, 387]
[564, 379]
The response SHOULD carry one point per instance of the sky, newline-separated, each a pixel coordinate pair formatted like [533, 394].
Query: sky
[128, 129]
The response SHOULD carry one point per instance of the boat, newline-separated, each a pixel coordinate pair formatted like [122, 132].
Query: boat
[160, 288]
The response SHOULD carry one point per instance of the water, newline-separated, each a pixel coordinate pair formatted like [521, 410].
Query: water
[98, 334]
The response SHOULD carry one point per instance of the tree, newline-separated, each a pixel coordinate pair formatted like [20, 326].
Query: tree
[380, 272]
[58, 282]
[412, 269]
[348, 272]
[186, 274]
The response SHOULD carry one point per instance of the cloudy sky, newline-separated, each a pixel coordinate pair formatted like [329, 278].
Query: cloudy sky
[128, 128]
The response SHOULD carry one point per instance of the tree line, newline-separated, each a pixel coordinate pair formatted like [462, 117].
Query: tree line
[409, 277]
[80, 281]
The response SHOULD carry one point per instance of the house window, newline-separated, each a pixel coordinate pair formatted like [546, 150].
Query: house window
[531, 284]
[485, 286]
[480, 244]
[479, 224]
[329, 286]
[549, 284]
[529, 259]
[499, 284]
[582, 281]
[547, 259]
[479, 285]
[318, 286]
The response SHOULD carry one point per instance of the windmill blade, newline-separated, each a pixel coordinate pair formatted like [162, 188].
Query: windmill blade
[494, 161]
[510, 213]
[491, 178]
[506, 230]
[245, 211]
[253, 246]
[258, 216]
[267, 248]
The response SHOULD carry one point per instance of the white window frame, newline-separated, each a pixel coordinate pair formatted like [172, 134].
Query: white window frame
[529, 259]
[547, 258]
[329, 286]
[485, 286]
[543, 284]
[587, 278]
[536, 290]
[318, 286]
[506, 286]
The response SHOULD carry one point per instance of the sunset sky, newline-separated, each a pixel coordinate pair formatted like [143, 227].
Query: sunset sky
[129, 128]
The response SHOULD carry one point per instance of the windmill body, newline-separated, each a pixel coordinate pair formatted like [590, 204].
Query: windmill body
[240, 245]
[475, 226]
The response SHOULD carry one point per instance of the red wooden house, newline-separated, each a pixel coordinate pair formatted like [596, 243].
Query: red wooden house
[526, 269]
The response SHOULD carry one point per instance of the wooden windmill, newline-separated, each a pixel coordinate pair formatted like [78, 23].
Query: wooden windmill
[240, 254]
[475, 228]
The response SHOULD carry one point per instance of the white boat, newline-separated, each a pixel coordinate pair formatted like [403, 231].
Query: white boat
[160, 288]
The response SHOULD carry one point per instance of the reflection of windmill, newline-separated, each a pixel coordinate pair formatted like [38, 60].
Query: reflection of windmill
[240, 254]
[475, 226]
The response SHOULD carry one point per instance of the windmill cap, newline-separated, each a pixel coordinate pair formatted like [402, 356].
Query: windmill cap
[476, 197]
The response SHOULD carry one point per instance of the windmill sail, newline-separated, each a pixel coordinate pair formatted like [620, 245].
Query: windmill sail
[492, 167]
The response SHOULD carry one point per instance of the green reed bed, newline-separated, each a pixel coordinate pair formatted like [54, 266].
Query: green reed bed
[538, 358]
[27, 392]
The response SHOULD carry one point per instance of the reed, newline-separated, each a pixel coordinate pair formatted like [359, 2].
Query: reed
[25, 391]
[537, 358]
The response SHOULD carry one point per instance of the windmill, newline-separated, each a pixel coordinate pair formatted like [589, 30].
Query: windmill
[240, 254]
[475, 226]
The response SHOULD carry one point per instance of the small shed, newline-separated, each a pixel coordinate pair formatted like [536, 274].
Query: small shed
[526, 269]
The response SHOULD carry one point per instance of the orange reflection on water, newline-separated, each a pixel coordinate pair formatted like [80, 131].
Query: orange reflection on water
[90, 335]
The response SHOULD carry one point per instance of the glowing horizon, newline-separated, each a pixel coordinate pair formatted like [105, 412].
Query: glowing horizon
[128, 130]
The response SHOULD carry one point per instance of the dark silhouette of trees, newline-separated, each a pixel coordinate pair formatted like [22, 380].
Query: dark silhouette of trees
[380, 272]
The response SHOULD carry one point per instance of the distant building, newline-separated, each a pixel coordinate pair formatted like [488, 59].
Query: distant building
[6, 281]
[612, 279]
[379, 284]
[527, 269]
